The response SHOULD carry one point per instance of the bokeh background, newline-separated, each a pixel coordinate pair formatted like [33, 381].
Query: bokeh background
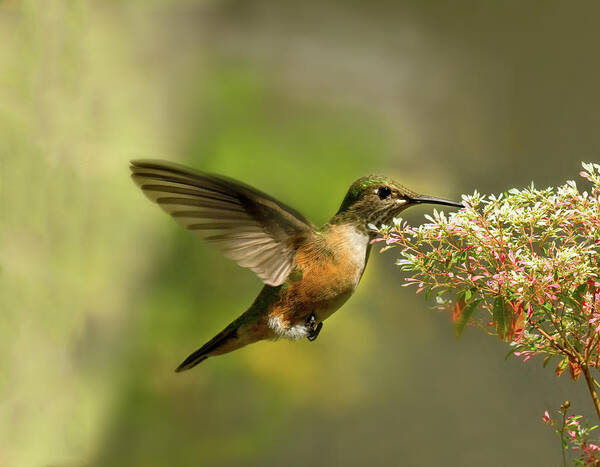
[102, 295]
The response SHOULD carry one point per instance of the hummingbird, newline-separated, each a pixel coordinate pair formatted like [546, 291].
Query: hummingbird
[308, 272]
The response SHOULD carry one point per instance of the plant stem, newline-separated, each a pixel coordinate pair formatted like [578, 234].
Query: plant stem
[563, 441]
[590, 384]
[553, 342]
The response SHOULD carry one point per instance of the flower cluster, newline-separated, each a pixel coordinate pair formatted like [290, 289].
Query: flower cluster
[529, 259]
[574, 434]
[524, 266]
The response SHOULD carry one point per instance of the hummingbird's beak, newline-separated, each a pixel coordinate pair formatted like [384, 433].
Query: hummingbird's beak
[424, 199]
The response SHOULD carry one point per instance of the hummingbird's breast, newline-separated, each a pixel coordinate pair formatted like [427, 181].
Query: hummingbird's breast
[328, 270]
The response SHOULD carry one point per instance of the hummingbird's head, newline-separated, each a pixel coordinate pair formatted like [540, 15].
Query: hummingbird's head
[376, 199]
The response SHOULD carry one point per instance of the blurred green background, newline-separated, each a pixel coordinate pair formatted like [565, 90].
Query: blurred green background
[102, 295]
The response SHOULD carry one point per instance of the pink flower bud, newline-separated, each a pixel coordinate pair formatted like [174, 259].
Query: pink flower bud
[546, 418]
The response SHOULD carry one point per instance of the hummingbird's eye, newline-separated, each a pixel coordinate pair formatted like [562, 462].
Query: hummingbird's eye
[383, 192]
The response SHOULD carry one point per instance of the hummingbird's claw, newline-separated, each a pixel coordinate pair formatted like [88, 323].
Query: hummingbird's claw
[313, 328]
[315, 332]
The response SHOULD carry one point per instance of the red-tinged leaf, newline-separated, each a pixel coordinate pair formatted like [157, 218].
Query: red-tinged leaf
[562, 366]
[574, 369]
[517, 322]
[459, 306]
[465, 315]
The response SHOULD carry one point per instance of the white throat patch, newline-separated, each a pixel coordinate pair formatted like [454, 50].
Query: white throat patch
[295, 332]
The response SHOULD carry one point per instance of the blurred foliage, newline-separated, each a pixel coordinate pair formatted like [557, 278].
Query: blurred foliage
[101, 295]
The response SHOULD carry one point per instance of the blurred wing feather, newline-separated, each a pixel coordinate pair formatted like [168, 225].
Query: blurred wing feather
[250, 227]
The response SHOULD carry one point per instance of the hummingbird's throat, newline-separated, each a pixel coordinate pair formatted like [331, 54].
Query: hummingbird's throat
[385, 214]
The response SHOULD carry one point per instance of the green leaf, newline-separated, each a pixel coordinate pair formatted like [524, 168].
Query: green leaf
[547, 360]
[464, 317]
[468, 295]
[510, 352]
[579, 291]
[575, 304]
[501, 318]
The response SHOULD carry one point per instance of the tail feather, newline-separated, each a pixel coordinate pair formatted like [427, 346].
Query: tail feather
[190, 362]
[204, 352]
[245, 329]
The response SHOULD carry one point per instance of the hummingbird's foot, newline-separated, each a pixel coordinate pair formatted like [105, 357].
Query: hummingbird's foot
[313, 327]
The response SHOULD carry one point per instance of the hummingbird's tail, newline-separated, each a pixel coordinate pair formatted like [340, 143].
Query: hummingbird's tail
[251, 326]
[241, 332]
[194, 358]
[219, 342]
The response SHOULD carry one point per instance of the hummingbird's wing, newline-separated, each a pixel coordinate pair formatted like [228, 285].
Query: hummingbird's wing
[250, 227]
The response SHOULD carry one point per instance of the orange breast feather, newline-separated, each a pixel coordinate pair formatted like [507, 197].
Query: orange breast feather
[325, 277]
